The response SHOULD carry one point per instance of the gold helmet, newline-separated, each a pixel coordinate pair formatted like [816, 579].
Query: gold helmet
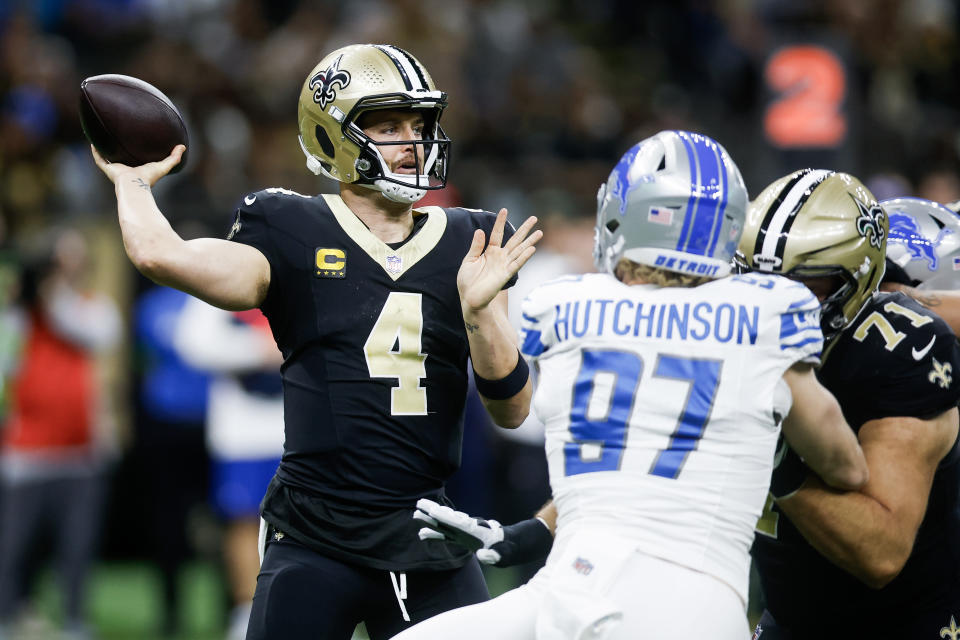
[357, 79]
[815, 223]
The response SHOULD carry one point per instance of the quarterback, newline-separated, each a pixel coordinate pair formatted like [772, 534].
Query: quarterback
[376, 307]
[663, 385]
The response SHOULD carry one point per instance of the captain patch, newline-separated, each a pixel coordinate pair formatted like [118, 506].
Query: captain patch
[330, 263]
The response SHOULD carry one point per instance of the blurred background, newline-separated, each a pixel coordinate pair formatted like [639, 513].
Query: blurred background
[118, 515]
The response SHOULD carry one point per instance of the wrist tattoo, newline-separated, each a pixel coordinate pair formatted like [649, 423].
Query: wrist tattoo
[472, 328]
[140, 183]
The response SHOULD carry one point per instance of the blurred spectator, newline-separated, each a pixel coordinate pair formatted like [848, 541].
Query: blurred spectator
[942, 185]
[170, 410]
[244, 431]
[52, 465]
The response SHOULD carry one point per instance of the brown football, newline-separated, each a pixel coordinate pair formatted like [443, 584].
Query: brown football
[130, 121]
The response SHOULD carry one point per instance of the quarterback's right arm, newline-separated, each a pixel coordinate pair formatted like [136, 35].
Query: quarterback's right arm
[225, 274]
[816, 430]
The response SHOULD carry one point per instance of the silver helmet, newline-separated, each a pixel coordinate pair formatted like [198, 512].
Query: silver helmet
[675, 201]
[924, 240]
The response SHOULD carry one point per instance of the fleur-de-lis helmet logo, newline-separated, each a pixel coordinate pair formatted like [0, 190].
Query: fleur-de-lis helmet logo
[324, 83]
[870, 223]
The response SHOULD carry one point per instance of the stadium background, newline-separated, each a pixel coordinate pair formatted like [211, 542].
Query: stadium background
[544, 97]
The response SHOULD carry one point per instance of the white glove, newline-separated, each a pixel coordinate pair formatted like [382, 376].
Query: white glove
[443, 523]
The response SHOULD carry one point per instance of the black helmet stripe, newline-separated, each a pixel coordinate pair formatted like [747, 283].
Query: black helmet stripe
[782, 242]
[768, 216]
[416, 66]
[395, 59]
[780, 216]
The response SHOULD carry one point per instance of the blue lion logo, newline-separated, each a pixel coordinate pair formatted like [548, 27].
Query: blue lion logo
[905, 230]
[622, 171]
[323, 83]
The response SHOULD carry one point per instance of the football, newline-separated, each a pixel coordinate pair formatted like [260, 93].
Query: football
[130, 121]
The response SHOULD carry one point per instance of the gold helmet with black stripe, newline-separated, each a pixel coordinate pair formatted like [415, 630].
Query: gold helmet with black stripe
[819, 224]
[355, 80]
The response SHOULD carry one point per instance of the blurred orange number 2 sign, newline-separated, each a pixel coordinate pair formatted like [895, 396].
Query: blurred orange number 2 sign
[812, 84]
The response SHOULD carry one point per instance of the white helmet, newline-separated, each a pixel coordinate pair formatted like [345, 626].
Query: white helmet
[675, 201]
[925, 241]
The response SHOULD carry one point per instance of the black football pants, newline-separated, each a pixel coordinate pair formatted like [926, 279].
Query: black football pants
[304, 594]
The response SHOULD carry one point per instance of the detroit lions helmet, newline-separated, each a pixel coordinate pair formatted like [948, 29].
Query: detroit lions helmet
[357, 79]
[675, 201]
[818, 223]
[925, 241]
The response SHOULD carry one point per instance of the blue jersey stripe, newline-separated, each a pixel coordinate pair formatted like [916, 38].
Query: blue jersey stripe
[532, 344]
[802, 343]
[794, 323]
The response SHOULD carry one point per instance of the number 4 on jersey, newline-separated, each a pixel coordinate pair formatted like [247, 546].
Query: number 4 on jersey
[393, 350]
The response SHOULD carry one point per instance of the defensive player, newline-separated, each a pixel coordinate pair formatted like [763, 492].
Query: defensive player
[884, 561]
[923, 255]
[375, 307]
[662, 387]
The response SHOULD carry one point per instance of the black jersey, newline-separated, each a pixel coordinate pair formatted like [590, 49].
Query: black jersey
[374, 373]
[896, 359]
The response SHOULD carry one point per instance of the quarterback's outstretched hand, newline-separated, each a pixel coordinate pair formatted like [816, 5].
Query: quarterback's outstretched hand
[494, 544]
[483, 272]
[149, 173]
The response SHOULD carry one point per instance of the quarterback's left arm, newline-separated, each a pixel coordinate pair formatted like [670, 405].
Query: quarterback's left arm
[870, 532]
[500, 373]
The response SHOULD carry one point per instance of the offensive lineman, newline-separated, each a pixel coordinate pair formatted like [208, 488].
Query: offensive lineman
[884, 561]
[663, 384]
[375, 307]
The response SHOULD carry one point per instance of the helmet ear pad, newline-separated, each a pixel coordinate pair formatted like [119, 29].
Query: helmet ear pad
[324, 141]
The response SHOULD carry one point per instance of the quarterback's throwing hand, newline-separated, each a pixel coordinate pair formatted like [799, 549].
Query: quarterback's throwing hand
[494, 544]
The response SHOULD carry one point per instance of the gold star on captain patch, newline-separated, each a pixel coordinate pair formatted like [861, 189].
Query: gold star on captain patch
[940, 374]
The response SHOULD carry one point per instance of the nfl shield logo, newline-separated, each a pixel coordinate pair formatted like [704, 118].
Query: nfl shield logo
[394, 264]
[956, 263]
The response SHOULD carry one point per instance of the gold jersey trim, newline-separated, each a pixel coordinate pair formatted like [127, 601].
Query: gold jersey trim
[393, 262]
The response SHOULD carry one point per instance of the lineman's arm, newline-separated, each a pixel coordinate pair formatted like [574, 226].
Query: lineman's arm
[944, 303]
[818, 432]
[870, 533]
[225, 274]
[493, 343]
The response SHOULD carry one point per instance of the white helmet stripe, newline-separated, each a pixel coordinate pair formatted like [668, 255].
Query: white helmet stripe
[790, 205]
[412, 76]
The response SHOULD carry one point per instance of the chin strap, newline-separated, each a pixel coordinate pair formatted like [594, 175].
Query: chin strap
[398, 192]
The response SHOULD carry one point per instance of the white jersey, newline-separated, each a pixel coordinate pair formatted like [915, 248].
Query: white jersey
[662, 407]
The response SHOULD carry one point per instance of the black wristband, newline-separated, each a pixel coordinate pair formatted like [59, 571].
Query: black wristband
[504, 387]
[788, 475]
[524, 541]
